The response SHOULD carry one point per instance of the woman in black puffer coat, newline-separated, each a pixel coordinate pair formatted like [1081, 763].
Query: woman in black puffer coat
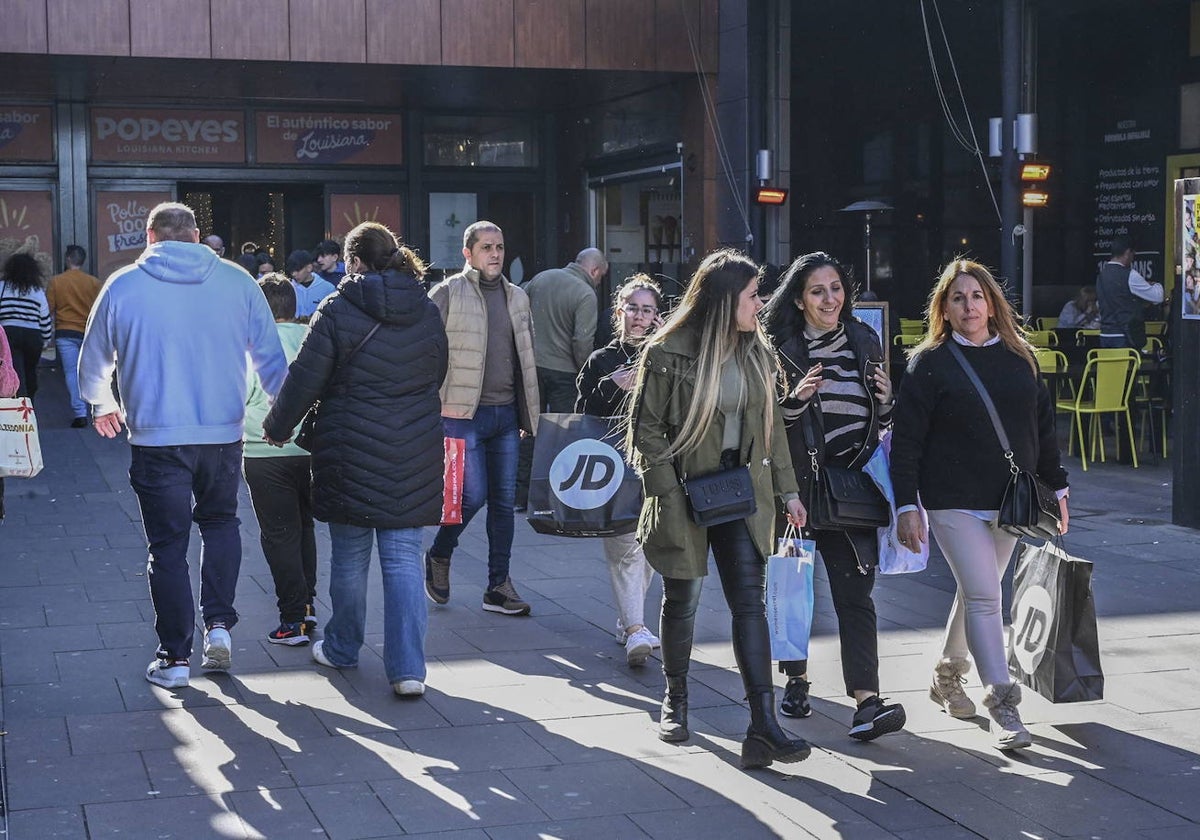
[374, 358]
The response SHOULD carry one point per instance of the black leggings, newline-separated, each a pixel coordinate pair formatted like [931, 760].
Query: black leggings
[743, 574]
[851, 592]
[26, 345]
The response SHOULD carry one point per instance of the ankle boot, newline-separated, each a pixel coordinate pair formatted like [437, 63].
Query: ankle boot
[672, 724]
[1001, 702]
[949, 675]
[765, 739]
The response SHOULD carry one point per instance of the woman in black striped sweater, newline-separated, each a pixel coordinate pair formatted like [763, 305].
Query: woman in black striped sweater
[838, 396]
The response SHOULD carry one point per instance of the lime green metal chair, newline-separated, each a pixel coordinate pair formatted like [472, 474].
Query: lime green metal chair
[1105, 388]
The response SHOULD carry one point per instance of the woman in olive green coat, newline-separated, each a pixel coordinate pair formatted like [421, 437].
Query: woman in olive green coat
[705, 401]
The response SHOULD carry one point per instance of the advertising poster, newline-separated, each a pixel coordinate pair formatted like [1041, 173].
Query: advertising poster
[26, 133]
[121, 227]
[346, 210]
[166, 135]
[299, 138]
[449, 215]
[1190, 246]
[27, 224]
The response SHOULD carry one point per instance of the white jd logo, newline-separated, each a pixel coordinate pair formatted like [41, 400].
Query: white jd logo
[1033, 616]
[586, 474]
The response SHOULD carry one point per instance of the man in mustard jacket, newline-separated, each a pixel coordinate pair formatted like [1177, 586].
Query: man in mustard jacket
[489, 397]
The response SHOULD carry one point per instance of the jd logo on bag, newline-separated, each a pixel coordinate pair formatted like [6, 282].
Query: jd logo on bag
[579, 485]
[1054, 648]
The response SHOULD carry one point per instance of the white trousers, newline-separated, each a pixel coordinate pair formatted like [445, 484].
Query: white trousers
[631, 576]
[978, 554]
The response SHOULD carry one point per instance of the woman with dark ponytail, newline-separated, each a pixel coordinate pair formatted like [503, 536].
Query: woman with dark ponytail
[374, 358]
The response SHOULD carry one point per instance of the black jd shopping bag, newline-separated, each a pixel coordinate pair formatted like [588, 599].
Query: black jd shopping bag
[580, 484]
[1054, 648]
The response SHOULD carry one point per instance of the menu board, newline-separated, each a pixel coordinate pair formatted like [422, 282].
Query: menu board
[167, 135]
[1128, 194]
[314, 139]
[121, 226]
[27, 224]
[347, 210]
[26, 133]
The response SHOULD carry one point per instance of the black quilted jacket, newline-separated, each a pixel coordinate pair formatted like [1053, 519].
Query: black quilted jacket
[377, 442]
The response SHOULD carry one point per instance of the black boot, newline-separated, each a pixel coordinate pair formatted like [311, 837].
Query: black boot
[672, 725]
[765, 739]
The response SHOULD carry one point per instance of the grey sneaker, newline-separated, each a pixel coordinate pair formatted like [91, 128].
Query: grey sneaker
[505, 600]
[168, 674]
[1001, 702]
[437, 578]
[217, 654]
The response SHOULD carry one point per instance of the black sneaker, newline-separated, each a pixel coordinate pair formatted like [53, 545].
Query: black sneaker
[504, 599]
[875, 717]
[288, 634]
[795, 698]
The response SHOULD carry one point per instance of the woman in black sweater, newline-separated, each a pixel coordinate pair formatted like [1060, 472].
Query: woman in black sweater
[604, 384]
[945, 448]
[838, 397]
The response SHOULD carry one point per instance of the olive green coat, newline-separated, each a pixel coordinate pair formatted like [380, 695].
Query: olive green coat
[675, 546]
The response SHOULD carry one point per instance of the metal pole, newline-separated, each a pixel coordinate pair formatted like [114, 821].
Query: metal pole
[867, 238]
[1027, 266]
[1010, 94]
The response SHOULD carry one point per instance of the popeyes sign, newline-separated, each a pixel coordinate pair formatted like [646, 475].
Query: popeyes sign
[132, 135]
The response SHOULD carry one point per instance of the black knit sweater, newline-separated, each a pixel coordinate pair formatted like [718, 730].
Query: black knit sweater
[943, 443]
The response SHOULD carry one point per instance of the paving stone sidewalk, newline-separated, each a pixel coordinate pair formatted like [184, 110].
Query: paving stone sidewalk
[535, 727]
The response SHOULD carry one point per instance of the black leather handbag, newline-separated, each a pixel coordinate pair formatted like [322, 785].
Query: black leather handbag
[845, 498]
[719, 497]
[1029, 508]
[842, 497]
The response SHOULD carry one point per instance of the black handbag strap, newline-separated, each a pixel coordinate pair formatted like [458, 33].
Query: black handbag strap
[984, 396]
[349, 356]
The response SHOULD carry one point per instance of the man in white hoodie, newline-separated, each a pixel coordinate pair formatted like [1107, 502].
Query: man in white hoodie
[176, 327]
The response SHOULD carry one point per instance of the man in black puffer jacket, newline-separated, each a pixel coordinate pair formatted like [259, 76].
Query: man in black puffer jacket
[375, 358]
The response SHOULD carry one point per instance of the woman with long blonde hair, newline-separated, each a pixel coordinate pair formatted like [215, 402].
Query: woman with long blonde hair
[945, 448]
[705, 400]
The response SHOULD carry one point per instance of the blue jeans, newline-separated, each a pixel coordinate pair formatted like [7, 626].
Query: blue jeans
[489, 476]
[68, 356]
[166, 479]
[404, 608]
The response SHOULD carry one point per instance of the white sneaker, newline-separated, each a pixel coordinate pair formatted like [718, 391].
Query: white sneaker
[621, 637]
[638, 647]
[318, 655]
[408, 688]
[168, 675]
[217, 654]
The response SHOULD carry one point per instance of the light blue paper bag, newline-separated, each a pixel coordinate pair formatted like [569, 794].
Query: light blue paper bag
[790, 597]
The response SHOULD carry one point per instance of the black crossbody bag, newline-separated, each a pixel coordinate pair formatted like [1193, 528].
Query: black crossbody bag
[1029, 507]
[842, 497]
[304, 437]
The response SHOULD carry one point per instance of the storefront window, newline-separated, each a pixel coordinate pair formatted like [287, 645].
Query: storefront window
[480, 141]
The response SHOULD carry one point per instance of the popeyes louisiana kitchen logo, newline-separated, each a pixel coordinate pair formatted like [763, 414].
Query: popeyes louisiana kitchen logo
[26, 133]
[121, 135]
[305, 139]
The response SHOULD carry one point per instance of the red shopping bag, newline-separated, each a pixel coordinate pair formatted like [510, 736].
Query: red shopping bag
[452, 494]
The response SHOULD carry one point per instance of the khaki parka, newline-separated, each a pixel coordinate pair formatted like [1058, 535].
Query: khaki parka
[675, 546]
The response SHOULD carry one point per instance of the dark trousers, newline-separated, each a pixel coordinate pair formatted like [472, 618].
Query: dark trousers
[166, 479]
[743, 578]
[556, 389]
[857, 632]
[26, 347]
[281, 492]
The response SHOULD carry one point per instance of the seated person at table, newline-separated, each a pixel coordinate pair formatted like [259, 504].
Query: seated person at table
[1083, 312]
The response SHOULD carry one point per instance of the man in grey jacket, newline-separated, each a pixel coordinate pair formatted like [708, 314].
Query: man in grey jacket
[563, 302]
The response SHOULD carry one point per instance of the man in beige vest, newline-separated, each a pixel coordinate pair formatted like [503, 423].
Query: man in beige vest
[489, 397]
